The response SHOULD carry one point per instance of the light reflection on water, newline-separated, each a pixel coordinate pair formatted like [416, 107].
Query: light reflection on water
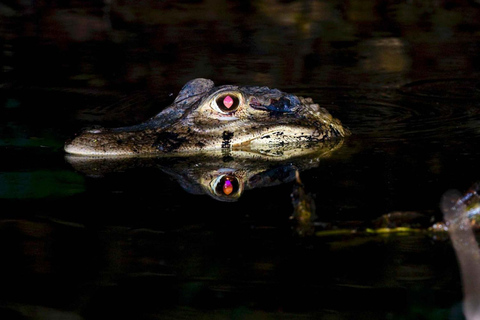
[150, 233]
[132, 242]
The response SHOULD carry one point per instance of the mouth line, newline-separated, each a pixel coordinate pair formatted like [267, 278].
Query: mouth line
[279, 136]
[271, 136]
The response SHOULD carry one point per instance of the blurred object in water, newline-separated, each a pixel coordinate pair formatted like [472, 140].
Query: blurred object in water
[456, 207]
[303, 209]
[402, 219]
[456, 214]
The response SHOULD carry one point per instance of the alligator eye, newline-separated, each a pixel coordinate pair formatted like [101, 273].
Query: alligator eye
[226, 185]
[227, 102]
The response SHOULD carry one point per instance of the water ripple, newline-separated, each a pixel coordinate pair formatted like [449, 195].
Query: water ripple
[420, 110]
[451, 89]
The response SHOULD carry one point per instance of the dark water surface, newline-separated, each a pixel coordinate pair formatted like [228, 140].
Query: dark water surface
[145, 241]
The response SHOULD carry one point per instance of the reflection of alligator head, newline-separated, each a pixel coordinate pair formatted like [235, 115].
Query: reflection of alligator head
[205, 117]
[224, 176]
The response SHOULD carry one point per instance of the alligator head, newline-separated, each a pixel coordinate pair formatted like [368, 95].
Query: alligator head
[204, 117]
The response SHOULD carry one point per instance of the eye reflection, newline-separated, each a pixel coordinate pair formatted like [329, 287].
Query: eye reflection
[226, 185]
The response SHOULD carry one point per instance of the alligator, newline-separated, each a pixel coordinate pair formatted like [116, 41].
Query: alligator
[204, 117]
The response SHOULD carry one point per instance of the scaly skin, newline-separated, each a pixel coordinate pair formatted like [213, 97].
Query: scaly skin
[198, 121]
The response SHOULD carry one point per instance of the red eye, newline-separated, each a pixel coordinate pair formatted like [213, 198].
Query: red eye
[227, 185]
[227, 103]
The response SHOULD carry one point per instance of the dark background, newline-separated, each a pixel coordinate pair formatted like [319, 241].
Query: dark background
[402, 75]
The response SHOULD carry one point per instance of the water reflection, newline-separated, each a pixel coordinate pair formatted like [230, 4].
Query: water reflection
[122, 44]
[430, 109]
[104, 272]
[303, 209]
[224, 174]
